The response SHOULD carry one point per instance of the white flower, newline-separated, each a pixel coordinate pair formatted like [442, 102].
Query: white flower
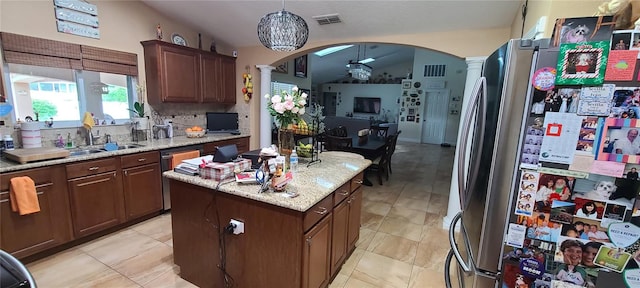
[304, 95]
[302, 102]
[294, 89]
[279, 107]
[288, 98]
[301, 111]
[276, 99]
[295, 109]
[266, 96]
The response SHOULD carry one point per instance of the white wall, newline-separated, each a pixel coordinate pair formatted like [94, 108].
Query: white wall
[455, 77]
[388, 94]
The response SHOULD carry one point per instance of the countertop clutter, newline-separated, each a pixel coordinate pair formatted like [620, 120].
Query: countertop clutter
[150, 145]
[312, 184]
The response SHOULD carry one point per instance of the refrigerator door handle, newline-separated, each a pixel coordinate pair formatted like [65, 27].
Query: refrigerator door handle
[476, 101]
[454, 246]
[447, 271]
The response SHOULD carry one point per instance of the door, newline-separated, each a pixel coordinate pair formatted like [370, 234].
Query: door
[434, 121]
[227, 80]
[355, 210]
[142, 186]
[330, 99]
[316, 255]
[210, 78]
[181, 79]
[339, 235]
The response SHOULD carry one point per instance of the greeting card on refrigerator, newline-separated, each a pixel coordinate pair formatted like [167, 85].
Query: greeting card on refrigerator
[561, 137]
[596, 101]
[621, 65]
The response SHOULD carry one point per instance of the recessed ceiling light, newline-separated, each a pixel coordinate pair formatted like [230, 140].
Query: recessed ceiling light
[327, 51]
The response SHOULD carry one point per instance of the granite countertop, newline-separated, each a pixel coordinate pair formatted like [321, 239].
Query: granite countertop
[312, 183]
[149, 145]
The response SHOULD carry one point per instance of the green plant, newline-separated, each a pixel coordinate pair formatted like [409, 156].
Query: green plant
[138, 109]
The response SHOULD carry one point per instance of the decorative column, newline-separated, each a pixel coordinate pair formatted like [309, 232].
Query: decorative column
[265, 117]
[474, 71]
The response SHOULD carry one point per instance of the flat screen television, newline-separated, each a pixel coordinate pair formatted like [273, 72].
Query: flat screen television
[366, 105]
[218, 122]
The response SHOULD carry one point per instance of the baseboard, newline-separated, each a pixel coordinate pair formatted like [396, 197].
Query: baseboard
[446, 223]
[410, 140]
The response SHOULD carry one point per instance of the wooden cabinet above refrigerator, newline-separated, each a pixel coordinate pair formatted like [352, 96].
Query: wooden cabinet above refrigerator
[178, 74]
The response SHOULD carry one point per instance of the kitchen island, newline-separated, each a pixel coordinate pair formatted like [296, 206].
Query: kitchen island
[287, 242]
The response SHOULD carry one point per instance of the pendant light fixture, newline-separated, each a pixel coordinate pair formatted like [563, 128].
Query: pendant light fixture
[283, 31]
[359, 70]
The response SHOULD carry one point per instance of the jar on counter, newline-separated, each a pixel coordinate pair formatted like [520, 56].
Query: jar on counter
[8, 143]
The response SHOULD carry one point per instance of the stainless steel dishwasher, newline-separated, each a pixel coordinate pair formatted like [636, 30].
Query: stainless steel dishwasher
[166, 156]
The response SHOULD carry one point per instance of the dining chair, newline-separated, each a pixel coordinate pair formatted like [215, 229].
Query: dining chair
[340, 131]
[335, 143]
[393, 149]
[380, 131]
[380, 164]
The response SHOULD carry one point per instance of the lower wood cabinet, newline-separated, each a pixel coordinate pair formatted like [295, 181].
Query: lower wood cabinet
[316, 255]
[29, 234]
[355, 209]
[142, 190]
[339, 235]
[96, 202]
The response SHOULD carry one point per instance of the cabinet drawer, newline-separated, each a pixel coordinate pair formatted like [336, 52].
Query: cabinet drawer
[356, 181]
[139, 159]
[91, 167]
[341, 193]
[315, 213]
[39, 176]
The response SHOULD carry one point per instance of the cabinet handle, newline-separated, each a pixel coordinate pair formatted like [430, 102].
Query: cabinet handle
[344, 192]
[114, 174]
[359, 181]
[126, 173]
[309, 241]
[7, 200]
[322, 211]
[94, 168]
[142, 159]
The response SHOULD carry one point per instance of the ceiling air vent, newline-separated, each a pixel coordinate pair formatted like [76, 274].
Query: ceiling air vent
[327, 19]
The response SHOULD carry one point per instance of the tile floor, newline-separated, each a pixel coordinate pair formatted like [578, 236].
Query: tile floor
[402, 243]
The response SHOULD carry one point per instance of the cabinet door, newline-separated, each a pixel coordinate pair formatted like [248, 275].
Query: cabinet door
[228, 80]
[179, 75]
[355, 209]
[142, 190]
[96, 203]
[316, 255]
[28, 234]
[339, 235]
[211, 78]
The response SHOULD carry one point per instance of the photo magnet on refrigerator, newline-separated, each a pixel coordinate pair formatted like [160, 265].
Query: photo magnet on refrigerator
[624, 234]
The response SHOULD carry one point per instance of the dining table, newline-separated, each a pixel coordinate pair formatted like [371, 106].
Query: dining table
[371, 149]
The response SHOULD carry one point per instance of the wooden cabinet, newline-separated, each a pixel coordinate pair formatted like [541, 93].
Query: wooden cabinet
[178, 74]
[96, 196]
[241, 142]
[346, 222]
[142, 184]
[355, 209]
[28, 234]
[339, 235]
[316, 255]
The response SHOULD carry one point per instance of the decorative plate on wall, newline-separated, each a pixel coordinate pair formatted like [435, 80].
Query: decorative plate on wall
[178, 39]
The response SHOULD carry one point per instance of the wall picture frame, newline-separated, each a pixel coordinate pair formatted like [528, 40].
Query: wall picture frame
[582, 63]
[301, 66]
[282, 68]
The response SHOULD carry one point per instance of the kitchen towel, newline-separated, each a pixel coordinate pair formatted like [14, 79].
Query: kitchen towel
[23, 196]
[176, 158]
[87, 121]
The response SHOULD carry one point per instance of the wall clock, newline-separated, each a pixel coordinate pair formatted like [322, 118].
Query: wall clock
[178, 39]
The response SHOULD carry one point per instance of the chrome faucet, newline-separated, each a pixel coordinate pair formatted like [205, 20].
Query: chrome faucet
[91, 138]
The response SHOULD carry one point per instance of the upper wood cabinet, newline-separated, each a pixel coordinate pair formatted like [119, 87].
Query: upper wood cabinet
[178, 74]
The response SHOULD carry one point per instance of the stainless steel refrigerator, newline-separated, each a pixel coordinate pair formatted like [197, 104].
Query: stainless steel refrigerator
[494, 131]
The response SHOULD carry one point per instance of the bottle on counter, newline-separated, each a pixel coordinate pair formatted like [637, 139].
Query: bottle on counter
[293, 161]
[69, 141]
[8, 143]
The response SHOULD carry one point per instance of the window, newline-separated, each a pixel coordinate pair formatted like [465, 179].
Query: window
[277, 88]
[64, 94]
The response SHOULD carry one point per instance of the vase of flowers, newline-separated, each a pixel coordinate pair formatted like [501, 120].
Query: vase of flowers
[287, 109]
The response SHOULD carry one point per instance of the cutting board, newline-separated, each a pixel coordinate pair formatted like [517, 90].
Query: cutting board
[35, 154]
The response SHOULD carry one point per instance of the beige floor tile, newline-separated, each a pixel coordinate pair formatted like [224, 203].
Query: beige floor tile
[411, 203]
[394, 247]
[170, 279]
[158, 228]
[355, 283]
[426, 278]
[413, 216]
[351, 262]
[366, 235]
[438, 204]
[417, 191]
[148, 265]
[339, 281]
[128, 243]
[381, 196]
[169, 242]
[382, 271]
[375, 207]
[432, 220]
[431, 257]
[74, 268]
[435, 236]
[370, 220]
[402, 228]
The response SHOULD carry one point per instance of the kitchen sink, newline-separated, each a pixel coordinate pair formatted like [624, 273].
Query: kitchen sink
[129, 146]
[85, 152]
